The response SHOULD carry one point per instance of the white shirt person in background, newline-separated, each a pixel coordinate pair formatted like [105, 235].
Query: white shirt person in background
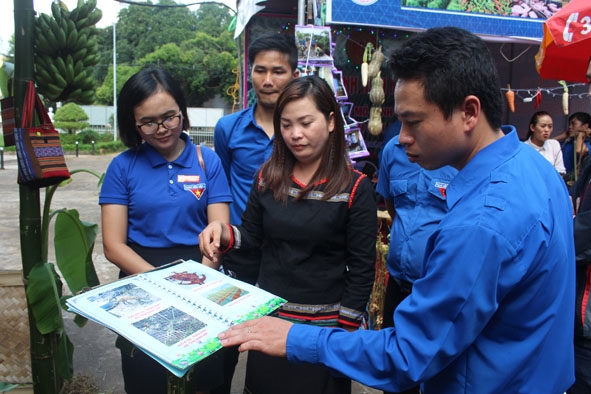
[538, 137]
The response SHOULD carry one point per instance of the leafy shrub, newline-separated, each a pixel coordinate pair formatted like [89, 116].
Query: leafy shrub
[99, 147]
[87, 136]
[111, 147]
[71, 118]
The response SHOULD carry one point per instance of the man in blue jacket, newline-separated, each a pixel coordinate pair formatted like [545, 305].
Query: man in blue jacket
[494, 311]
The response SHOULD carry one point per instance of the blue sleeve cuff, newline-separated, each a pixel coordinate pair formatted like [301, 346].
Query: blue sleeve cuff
[302, 343]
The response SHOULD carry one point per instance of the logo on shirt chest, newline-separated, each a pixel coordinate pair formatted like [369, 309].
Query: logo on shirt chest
[196, 189]
[192, 183]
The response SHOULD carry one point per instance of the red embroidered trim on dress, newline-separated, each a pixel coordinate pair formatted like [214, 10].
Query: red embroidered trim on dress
[354, 190]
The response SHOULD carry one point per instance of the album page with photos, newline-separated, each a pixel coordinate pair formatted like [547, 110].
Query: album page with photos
[174, 313]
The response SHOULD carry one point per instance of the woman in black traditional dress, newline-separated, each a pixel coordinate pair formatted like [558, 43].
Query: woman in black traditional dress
[314, 218]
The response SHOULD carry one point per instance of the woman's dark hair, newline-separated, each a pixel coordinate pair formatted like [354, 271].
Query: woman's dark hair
[335, 166]
[138, 88]
[534, 121]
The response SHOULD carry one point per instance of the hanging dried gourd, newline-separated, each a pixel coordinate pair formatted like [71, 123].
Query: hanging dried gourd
[375, 65]
[377, 98]
[376, 94]
[375, 120]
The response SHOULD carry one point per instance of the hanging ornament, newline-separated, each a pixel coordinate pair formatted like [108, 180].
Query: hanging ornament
[538, 99]
[564, 97]
[510, 96]
[365, 65]
[377, 58]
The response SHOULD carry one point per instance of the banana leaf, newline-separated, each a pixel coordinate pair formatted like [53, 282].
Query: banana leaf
[6, 387]
[44, 289]
[65, 357]
[74, 243]
[43, 282]
[6, 74]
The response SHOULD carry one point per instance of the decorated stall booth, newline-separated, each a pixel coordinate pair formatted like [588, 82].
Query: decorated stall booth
[336, 38]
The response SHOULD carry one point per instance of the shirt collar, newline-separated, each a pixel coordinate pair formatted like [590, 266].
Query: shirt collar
[484, 163]
[252, 120]
[536, 147]
[184, 160]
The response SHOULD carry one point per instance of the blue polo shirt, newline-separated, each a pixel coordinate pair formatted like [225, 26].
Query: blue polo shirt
[568, 151]
[419, 198]
[167, 201]
[243, 146]
[568, 154]
[494, 312]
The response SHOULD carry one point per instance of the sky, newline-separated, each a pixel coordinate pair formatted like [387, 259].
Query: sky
[110, 9]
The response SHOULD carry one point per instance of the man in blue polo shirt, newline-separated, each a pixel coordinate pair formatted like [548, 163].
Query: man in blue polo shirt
[493, 312]
[244, 140]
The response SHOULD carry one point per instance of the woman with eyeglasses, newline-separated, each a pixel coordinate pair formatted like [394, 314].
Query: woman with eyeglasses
[156, 198]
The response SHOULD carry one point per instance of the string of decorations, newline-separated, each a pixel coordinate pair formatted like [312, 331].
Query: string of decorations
[529, 94]
[526, 95]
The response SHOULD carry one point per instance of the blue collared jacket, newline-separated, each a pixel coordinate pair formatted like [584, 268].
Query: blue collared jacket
[494, 312]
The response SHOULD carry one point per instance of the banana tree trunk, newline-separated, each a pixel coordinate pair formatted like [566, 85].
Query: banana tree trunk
[43, 347]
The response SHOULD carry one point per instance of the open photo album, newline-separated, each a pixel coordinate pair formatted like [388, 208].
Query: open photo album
[174, 313]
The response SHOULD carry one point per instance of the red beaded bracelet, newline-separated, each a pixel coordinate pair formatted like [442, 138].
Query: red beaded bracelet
[231, 243]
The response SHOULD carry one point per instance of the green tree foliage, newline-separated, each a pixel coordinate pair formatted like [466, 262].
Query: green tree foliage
[104, 94]
[105, 43]
[71, 117]
[213, 19]
[199, 51]
[203, 64]
[9, 56]
[142, 29]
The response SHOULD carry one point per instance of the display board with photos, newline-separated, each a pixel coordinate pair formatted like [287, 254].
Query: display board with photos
[315, 57]
[314, 45]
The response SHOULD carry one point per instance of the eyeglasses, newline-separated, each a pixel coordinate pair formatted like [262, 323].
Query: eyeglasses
[169, 123]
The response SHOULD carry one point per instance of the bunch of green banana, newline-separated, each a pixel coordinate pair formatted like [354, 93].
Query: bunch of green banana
[66, 49]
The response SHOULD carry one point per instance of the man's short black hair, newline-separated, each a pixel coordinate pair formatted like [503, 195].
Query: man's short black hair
[283, 43]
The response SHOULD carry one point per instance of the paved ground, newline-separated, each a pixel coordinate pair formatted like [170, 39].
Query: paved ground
[94, 352]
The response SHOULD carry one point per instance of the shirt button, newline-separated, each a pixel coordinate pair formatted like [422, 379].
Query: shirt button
[170, 167]
[170, 181]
